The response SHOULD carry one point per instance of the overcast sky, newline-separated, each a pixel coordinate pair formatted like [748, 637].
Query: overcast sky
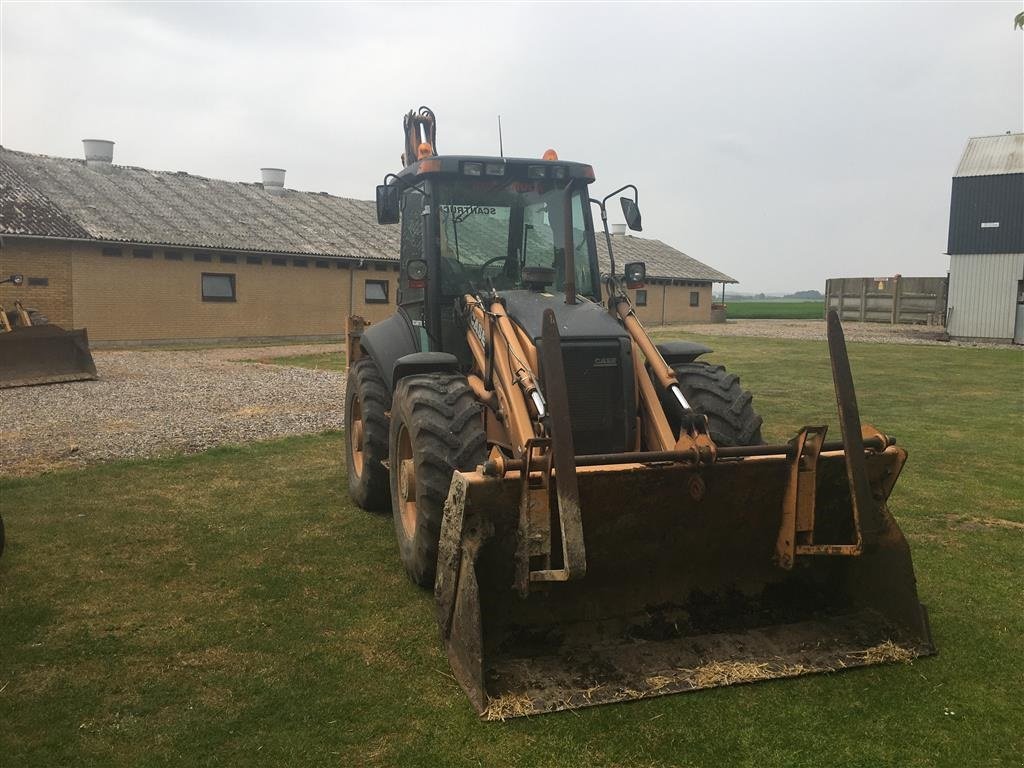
[779, 143]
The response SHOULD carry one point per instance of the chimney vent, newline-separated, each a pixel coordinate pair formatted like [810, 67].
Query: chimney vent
[99, 154]
[273, 180]
[618, 229]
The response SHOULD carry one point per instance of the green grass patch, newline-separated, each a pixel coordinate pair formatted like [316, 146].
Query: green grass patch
[776, 310]
[323, 361]
[234, 608]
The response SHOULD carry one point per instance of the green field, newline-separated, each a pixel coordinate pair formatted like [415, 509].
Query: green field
[234, 608]
[776, 310]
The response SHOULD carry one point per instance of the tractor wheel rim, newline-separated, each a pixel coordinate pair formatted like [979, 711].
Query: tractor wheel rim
[355, 431]
[406, 468]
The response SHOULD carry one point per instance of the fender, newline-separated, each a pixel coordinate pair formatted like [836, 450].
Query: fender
[385, 342]
[682, 351]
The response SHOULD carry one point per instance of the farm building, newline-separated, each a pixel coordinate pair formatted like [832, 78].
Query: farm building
[145, 256]
[986, 241]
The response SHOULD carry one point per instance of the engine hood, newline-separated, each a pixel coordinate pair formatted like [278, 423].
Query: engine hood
[582, 320]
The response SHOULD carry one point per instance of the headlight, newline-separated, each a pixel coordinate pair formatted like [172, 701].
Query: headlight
[559, 172]
[495, 169]
[537, 172]
[473, 169]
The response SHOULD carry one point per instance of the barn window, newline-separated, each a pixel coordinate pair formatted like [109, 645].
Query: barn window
[253, 259]
[375, 291]
[172, 255]
[300, 263]
[39, 281]
[694, 298]
[218, 287]
[111, 250]
[323, 264]
[641, 297]
[228, 259]
[142, 253]
[279, 262]
[202, 257]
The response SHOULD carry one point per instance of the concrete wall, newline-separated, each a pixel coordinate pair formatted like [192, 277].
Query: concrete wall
[668, 303]
[896, 299]
[983, 291]
[126, 298]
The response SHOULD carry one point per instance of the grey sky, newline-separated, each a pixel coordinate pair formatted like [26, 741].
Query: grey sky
[782, 144]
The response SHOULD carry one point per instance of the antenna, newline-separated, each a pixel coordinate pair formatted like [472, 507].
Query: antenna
[501, 146]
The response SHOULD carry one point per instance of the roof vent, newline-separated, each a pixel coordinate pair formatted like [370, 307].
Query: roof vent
[273, 180]
[99, 154]
[618, 229]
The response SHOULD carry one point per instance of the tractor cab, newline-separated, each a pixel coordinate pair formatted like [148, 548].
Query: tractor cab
[472, 225]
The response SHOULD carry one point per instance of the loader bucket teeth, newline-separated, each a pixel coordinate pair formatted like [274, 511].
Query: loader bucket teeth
[44, 354]
[679, 594]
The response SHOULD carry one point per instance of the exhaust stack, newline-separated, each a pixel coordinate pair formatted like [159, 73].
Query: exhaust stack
[273, 181]
[99, 154]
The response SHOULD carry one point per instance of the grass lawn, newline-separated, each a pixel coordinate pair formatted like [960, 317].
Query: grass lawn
[324, 361]
[776, 310]
[233, 608]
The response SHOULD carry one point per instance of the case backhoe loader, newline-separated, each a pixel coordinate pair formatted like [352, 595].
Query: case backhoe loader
[597, 513]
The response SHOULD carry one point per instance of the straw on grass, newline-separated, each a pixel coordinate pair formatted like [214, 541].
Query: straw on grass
[509, 705]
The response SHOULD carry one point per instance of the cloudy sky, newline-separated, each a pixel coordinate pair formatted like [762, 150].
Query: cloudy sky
[780, 143]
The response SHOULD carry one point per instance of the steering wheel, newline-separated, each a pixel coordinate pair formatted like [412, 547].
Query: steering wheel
[495, 260]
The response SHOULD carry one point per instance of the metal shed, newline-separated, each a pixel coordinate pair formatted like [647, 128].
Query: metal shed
[986, 241]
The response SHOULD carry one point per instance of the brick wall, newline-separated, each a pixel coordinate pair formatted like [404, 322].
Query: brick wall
[668, 304]
[127, 298]
[38, 261]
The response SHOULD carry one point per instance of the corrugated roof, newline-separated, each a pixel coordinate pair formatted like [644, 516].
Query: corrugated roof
[24, 211]
[992, 155]
[141, 206]
[662, 260]
[50, 196]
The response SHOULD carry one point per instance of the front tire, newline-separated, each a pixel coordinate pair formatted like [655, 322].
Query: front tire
[436, 430]
[367, 402]
[716, 393]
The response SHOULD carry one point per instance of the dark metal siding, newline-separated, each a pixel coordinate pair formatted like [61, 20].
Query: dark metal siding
[978, 199]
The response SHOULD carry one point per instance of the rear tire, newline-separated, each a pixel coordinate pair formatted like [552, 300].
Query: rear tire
[716, 393]
[436, 429]
[367, 402]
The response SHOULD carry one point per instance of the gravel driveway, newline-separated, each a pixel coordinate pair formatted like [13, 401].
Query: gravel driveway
[878, 333]
[149, 403]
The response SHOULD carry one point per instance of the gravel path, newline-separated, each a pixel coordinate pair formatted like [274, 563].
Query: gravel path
[149, 403]
[878, 333]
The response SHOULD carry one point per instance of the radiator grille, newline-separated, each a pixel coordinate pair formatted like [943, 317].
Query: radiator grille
[595, 380]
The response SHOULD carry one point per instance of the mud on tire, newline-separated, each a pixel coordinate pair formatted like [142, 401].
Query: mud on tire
[716, 393]
[435, 423]
[367, 402]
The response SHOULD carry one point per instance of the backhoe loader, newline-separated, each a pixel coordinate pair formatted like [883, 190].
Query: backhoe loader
[597, 513]
[33, 351]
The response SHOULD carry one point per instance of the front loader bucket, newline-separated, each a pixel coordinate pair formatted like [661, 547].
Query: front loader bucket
[682, 589]
[44, 354]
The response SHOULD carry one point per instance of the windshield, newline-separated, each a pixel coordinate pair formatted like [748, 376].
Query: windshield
[491, 229]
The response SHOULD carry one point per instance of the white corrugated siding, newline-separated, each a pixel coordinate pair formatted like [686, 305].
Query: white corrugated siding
[992, 155]
[983, 294]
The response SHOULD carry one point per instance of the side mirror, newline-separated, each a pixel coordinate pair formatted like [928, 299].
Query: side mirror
[387, 204]
[635, 273]
[632, 214]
